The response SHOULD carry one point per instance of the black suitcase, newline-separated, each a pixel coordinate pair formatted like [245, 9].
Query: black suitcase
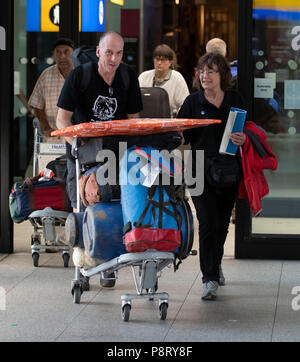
[155, 103]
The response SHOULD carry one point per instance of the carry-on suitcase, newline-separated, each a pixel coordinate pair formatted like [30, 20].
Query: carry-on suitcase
[155, 103]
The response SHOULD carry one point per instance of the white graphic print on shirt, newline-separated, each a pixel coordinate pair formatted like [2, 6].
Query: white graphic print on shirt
[104, 108]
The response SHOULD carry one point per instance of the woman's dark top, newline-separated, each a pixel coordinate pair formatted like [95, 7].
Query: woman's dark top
[208, 138]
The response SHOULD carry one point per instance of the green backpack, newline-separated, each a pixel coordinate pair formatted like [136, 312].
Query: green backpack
[13, 204]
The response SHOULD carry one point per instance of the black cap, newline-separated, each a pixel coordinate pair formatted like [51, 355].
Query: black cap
[64, 41]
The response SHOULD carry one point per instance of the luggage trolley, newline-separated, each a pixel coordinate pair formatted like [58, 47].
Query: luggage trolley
[44, 152]
[149, 263]
[47, 222]
[146, 268]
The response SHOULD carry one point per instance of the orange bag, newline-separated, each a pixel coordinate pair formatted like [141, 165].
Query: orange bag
[91, 192]
[89, 189]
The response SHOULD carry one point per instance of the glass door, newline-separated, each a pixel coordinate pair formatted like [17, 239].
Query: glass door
[276, 108]
[269, 45]
[32, 54]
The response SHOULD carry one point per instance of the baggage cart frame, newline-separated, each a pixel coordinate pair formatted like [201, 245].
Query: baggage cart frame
[149, 263]
[46, 222]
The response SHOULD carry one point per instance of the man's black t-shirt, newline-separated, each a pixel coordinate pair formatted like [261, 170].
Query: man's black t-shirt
[99, 101]
[196, 106]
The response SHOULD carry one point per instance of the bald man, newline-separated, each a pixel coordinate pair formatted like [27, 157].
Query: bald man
[216, 45]
[113, 93]
[106, 97]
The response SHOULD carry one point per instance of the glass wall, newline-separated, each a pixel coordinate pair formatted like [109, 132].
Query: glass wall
[276, 53]
[32, 54]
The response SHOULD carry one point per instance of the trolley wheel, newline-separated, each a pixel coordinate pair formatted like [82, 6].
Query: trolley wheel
[126, 312]
[66, 258]
[35, 240]
[150, 290]
[76, 291]
[85, 282]
[163, 310]
[35, 259]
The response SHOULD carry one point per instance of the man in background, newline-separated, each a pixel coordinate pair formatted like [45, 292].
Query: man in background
[47, 89]
[216, 45]
[219, 46]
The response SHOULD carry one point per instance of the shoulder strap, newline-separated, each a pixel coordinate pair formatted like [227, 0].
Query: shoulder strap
[87, 69]
[256, 142]
[75, 56]
[161, 205]
[125, 75]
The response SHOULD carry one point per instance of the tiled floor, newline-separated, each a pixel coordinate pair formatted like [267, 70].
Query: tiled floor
[257, 303]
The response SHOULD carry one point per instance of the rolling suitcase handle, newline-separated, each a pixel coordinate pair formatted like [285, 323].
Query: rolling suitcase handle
[74, 153]
[37, 131]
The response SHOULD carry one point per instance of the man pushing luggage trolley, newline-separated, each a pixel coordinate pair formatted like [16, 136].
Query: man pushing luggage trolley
[113, 94]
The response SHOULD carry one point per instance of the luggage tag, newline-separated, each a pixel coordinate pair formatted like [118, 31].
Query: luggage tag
[46, 174]
[151, 172]
[158, 162]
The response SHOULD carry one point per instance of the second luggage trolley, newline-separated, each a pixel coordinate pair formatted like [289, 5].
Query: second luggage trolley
[46, 222]
[149, 263]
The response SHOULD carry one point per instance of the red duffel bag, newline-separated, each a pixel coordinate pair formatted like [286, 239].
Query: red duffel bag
[36, 195]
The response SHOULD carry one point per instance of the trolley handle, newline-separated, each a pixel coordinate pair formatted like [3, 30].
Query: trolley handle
[74, 150]
[37, 126]
[74, 153]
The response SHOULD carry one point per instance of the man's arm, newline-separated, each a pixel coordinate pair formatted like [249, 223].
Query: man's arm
[41, 115]
[63, 120]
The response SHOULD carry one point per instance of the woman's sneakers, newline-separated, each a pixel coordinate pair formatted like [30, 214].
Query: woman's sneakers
[210, 290]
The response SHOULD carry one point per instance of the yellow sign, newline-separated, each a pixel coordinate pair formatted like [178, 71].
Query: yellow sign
[49, 15]
[79, 18]
[276, 4]
[118, 2]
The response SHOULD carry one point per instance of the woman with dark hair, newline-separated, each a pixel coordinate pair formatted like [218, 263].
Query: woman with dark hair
[214, 205]
[163, 75]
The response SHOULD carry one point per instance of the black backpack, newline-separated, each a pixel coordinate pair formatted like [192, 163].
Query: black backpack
[155, 103]
[84, 54]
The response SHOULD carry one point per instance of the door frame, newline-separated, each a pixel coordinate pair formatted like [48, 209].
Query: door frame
[260, 246]
[6, 118]
[68, 28]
